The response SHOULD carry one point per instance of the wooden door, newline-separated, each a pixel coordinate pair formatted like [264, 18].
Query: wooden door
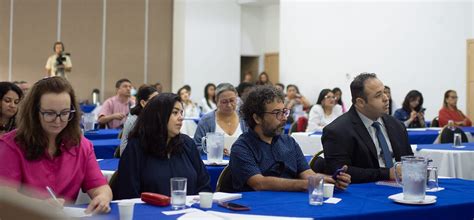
[272, 66]
[470, 79]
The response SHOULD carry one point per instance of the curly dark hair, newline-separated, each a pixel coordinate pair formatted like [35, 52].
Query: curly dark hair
[151, 128]
[256, 101]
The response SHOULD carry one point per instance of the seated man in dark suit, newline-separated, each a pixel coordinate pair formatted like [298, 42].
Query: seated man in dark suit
[366, 138]
[265, 159]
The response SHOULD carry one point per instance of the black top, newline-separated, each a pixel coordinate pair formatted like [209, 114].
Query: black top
[346, 141]
[139, 172]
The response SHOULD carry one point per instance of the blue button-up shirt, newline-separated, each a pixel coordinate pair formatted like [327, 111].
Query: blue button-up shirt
[251, 156]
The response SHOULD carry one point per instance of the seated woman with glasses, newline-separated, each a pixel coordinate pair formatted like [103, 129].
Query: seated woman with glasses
[11, 95]
[156, 152]
[324, 112]
[48, 150]
[224, 119]
[450, 111]
[412, 113]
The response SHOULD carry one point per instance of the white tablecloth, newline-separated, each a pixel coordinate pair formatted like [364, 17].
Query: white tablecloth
[309, 144]
[450, 163]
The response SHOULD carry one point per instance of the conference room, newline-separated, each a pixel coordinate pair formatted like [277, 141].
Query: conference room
[312, 49]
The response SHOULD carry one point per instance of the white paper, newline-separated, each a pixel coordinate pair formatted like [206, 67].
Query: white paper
[435, 189]
[217, 197]
[232, 216]
[332, 200]
[182, 211]
[74, 212]
[134, 201]
[222, 163]
[199, 216]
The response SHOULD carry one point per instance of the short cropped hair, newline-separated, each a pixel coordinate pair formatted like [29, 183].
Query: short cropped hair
[358, 86]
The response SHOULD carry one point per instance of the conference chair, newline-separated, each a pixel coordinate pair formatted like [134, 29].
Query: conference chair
[224, 182]
[447, 135]
[317, 163]
[435, 122]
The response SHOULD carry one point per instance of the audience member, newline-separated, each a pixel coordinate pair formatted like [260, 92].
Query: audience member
[158, 87]
[115, 109]
[59, 63]
[208, 103]
[366, 138]
[248, 77]
[11, 96]
[191, 111]
[144, 94]
[243, 90]
[392, 106]
[224, 119]
[48, 149]
[157, 151]
[324, 112]
[295, 102]
[265, 159]
[338, 96]
[280, 87]
[450, 111]
[24, 86]
[412, 113]
[263, 79]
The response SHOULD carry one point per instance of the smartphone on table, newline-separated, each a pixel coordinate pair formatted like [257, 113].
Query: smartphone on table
[234, 206]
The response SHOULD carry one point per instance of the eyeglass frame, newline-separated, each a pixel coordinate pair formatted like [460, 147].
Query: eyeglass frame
[284, 113]
[71, 115]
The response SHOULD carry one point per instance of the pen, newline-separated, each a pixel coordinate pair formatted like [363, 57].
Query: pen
[51, 193]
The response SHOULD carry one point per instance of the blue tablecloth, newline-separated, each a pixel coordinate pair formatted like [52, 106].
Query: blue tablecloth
[468, 146]
[102, 134]
[214, 171]
[360, 201]
[87, 108]
[105, 148]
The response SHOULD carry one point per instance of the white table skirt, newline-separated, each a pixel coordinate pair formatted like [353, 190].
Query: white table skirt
[309, 144]
[450, 163]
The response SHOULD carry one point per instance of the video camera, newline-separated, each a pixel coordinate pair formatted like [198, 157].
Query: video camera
[61, 58]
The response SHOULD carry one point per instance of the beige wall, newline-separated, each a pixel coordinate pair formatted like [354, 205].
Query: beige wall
[35, 30]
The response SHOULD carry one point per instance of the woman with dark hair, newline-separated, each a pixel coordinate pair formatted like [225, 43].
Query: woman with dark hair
[157, 151]
[191, 110]
[295, 102]
[48, 149]
[391, 104]
[338, 96]
[324, 112]
[11, 96]
[450, 111]
[208, 103]
[144, 94]
[263, 79]
[412, 113]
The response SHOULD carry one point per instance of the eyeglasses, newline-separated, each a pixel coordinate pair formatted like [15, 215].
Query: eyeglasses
[50, 116]
[280, 114]
[453, 97]
[330, 97]
[228, 101]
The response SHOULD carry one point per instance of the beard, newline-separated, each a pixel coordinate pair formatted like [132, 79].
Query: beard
[270, 131]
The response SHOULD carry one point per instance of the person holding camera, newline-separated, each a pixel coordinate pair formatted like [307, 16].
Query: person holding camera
[60, 62]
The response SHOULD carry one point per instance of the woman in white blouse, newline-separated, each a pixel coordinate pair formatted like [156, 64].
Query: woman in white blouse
[324, 112]
[208, 103]
[191, 111]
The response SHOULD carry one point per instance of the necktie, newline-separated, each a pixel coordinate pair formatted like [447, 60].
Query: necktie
[387, 155]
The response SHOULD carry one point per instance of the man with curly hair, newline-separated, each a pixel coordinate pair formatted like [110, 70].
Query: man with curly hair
[263, 158]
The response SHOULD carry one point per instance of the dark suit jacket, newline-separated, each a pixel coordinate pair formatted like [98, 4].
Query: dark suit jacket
[346, 141]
